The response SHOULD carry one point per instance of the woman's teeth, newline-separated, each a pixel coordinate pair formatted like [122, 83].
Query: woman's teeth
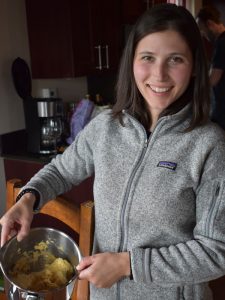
[159, 89]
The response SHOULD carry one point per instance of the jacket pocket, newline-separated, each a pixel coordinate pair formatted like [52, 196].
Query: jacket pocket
[212, 212]
[197, 292]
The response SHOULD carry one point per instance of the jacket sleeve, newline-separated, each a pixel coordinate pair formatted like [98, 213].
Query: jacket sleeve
[66, 170]
[202, 258]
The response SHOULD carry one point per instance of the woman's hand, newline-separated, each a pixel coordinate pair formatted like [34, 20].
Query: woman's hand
[17, 219]
[104, 269]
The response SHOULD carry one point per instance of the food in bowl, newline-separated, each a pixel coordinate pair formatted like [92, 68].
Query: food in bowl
[40, 270]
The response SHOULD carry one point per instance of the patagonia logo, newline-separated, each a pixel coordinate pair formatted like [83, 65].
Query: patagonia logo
[167, 164]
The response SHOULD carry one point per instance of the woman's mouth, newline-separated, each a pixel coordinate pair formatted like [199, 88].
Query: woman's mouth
[159, 90]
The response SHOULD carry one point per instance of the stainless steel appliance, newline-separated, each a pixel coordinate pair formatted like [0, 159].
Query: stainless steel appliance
[50, 124]
[43, 116]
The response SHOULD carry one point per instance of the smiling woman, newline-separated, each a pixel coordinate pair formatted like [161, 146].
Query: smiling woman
[163, 67]
[186, 50]
[159, 197]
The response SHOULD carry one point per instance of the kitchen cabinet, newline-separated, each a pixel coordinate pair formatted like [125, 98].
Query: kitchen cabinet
[99, 48]
[49, 33]
[132, 9]
[73, 38]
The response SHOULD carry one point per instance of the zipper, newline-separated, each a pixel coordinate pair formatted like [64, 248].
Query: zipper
[208, 225]
[146, 144]
[128, 191]
[181, 293]
[122, 221]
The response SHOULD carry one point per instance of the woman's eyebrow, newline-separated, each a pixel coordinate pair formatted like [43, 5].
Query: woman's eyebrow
[145, 52]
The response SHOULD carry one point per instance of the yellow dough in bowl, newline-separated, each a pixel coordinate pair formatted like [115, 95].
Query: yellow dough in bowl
[40, 270]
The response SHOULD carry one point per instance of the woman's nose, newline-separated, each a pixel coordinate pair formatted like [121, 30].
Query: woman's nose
[159, 71]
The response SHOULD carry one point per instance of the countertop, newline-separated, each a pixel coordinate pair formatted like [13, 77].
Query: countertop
[13, 145]
[18, 163]
[42, 159]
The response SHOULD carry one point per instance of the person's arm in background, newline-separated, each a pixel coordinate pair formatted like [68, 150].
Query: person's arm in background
[218, 62]
[215, 76]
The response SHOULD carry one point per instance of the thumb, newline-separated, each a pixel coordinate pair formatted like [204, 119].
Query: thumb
[84, 263]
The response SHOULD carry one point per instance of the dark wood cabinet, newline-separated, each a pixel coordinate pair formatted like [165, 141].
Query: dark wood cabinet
[73, 38]
[50, 40]
[98, 41]
[133, 9]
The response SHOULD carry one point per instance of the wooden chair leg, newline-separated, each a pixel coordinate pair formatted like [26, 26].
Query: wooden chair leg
[82, 290]
[11, 185]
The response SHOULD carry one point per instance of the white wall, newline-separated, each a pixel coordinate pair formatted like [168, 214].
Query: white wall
[14, 43]
[194, 6]
[13, 39]
[69, 90]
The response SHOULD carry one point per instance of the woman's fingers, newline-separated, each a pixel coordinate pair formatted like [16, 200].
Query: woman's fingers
[7, 232]
[84, 263]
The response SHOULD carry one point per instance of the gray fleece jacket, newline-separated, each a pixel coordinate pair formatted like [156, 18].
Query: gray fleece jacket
[162, 199]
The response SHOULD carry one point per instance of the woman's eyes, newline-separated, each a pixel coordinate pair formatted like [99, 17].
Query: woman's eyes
[147, 58]
[171, 60]
[176, 60]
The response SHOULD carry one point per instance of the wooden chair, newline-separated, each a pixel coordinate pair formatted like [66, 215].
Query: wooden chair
[78, 217]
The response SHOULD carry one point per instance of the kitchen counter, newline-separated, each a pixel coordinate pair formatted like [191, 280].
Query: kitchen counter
[28, 157]
[13, 145]
[18, 163]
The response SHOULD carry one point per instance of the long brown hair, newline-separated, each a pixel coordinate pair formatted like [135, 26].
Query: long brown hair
[161, 18]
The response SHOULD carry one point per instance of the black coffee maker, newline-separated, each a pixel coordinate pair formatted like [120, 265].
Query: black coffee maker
[43, 116]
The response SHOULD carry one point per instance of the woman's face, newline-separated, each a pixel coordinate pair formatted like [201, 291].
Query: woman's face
[162, 67]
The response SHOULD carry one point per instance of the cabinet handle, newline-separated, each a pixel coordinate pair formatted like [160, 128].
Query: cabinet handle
[99, 57]
[106, 56]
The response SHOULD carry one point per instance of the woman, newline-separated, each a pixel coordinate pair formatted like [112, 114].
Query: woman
[159, 172]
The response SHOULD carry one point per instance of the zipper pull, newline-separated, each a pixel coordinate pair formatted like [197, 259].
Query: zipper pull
[146, 143]
[217, 191]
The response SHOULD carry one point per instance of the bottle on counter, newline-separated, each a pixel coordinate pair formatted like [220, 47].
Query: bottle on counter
[88, 96]
[99, 100]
